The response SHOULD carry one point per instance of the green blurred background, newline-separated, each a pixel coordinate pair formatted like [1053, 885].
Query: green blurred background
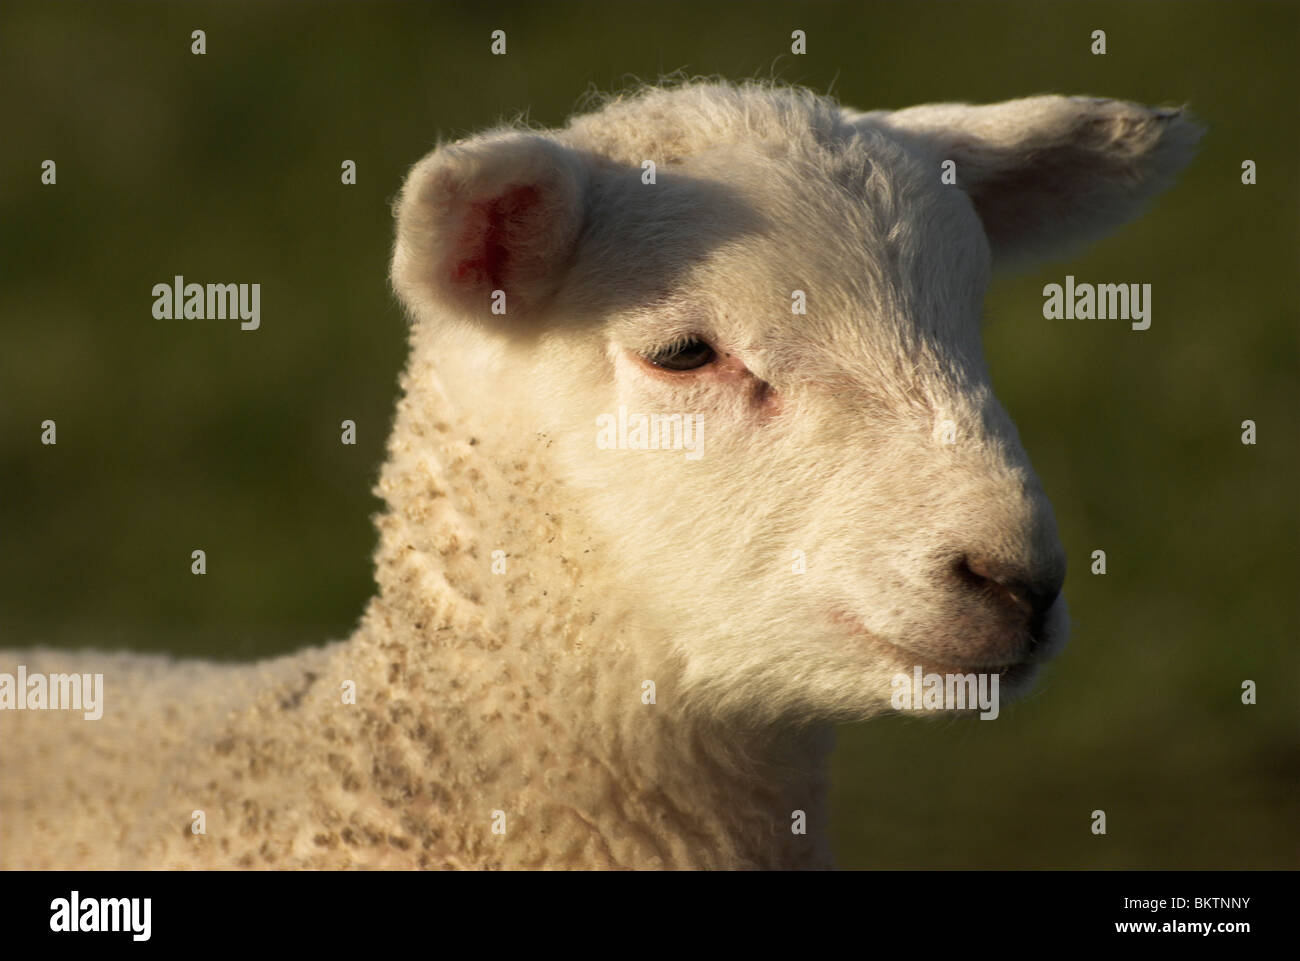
[179, 434]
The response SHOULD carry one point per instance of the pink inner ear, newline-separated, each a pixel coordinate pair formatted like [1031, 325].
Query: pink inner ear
[494, 230]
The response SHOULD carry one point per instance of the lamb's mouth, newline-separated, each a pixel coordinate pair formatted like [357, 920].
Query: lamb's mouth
[1013, 672]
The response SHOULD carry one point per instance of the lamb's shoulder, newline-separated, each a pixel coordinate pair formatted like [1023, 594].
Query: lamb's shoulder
[321, 765]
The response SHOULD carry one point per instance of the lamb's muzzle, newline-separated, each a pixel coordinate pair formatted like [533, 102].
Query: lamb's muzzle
[1022, 597]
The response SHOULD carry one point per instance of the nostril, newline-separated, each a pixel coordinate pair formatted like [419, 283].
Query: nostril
[1011, 585]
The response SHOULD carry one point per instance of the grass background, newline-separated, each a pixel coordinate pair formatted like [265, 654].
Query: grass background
[173, 435]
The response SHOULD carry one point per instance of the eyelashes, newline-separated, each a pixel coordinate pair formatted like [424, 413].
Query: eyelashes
[689, 353]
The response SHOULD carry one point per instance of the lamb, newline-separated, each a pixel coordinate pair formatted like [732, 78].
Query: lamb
[588, 655]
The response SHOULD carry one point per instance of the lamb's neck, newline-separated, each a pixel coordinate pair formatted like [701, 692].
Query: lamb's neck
[530, 688]
[587, 770]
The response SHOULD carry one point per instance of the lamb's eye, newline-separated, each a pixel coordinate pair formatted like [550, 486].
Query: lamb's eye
[686, 354]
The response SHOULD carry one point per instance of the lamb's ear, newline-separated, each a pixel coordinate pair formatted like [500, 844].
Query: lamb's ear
[500, 212]
[1050, 173]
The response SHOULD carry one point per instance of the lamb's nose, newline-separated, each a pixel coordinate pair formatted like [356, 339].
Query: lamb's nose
[1018, 590]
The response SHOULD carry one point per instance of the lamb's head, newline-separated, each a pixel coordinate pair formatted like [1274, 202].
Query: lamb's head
[794, 291]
